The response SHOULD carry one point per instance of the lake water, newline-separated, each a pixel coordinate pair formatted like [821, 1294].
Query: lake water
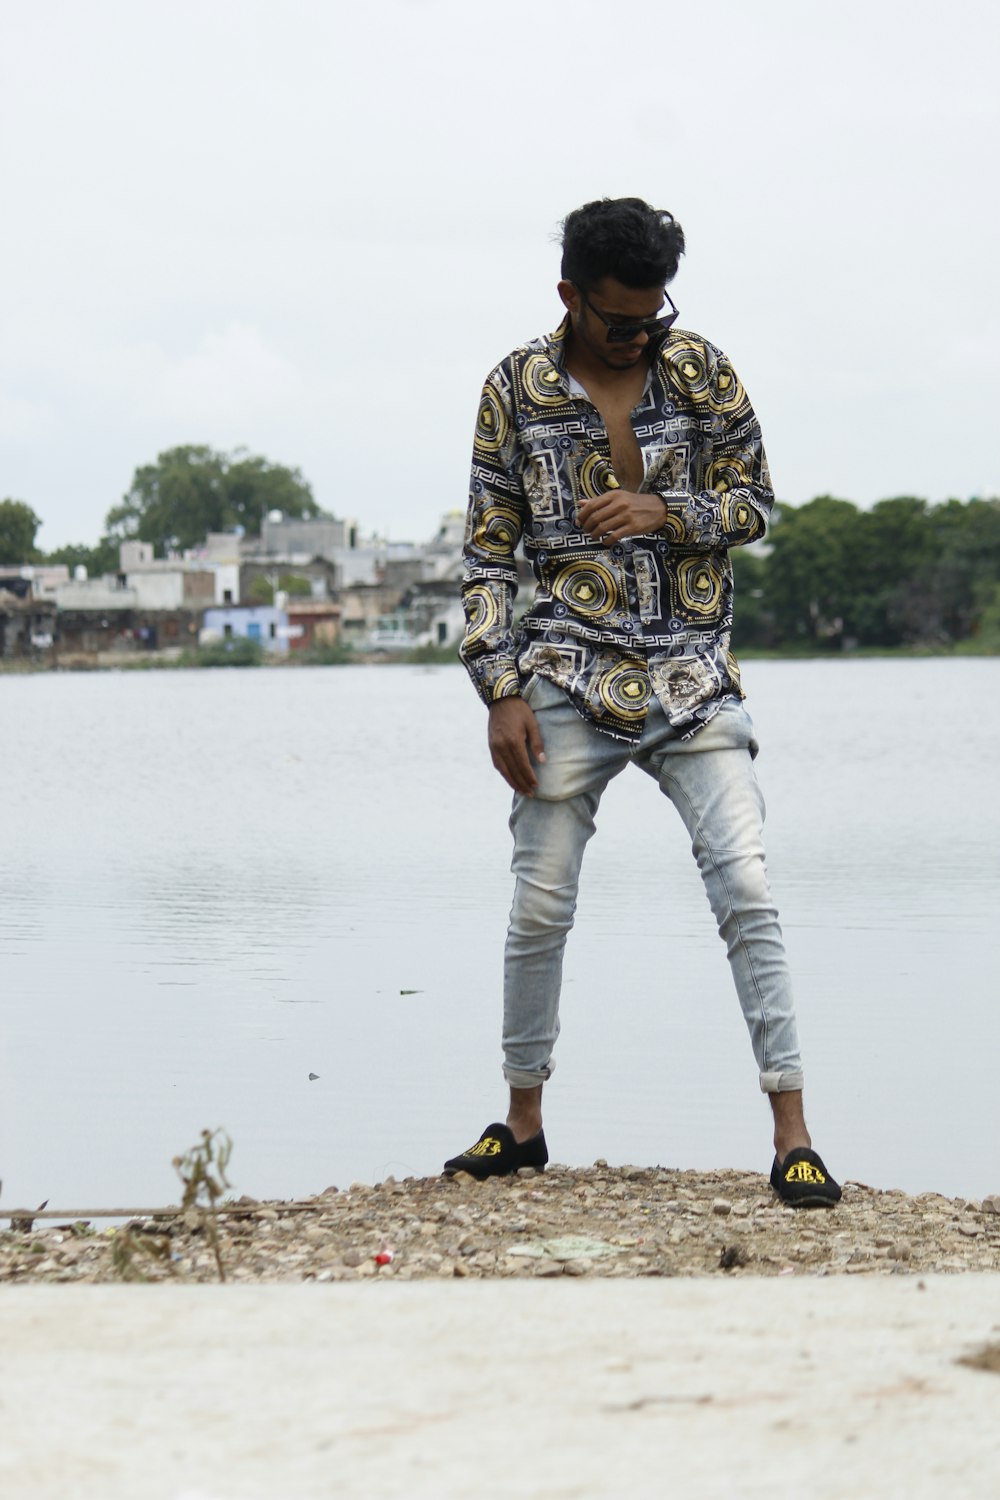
[214, 884]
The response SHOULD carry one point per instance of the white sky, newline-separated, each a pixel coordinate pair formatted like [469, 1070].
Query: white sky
[311, 227]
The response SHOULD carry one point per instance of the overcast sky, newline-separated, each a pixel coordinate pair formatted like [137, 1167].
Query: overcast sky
[310, 227]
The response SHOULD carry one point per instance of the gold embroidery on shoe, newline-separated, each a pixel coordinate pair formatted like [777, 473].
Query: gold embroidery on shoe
[804, 1171]
[488, 1146]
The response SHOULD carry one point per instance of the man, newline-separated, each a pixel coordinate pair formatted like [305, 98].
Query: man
[625, 454]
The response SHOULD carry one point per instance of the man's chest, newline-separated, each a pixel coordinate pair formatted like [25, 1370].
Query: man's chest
[576, 451]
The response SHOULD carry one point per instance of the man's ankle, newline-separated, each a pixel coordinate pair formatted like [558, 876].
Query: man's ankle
[524, 1116]
[789, 1122]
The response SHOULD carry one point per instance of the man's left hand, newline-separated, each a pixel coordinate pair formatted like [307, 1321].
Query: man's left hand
[620, 513]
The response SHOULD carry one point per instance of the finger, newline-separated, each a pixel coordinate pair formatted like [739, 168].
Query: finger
[519, 774]
[535, 742]
[511, 760]
[597, 524]
[591, 510]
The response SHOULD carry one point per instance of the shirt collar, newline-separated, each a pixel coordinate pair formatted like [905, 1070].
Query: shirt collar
[555, 348]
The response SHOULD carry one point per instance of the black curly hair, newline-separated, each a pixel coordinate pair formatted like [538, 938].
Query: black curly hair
[625, 238]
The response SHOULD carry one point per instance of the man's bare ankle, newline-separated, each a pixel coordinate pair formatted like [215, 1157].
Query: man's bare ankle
[789, 1142]
[524, 1112]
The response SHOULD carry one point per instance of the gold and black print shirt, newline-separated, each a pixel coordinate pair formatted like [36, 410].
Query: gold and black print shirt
[612, 625]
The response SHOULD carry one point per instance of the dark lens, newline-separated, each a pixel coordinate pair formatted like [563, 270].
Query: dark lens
[622, 333]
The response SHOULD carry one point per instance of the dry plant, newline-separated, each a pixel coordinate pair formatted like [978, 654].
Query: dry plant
[202, 1170]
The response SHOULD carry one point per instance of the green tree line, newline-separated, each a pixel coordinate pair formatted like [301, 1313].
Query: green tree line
[904, 573]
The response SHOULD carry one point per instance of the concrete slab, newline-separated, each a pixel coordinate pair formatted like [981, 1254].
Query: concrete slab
[833, 1389]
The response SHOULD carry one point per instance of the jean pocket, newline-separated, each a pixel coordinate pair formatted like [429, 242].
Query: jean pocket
[539, 691]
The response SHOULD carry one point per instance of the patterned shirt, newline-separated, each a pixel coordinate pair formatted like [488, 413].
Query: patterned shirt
[611, 625]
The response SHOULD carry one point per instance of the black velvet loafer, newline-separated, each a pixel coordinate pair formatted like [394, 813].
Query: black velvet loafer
[803, 1181]
[497, 1154]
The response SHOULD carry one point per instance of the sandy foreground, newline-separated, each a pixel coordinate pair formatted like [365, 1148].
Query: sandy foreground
[597, 1221]
[582, 1335]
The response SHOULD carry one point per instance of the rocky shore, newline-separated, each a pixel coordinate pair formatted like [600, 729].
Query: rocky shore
[595, 1221]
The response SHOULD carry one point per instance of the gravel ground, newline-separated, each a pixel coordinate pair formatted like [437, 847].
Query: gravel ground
[595, 1221]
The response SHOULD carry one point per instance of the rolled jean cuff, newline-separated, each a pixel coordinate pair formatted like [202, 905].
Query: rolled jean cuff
[519, 1079]
[780, 1083]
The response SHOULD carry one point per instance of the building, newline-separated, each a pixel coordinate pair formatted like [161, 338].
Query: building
[312, 622]
[27, 624]
[167, 583]
[428, 614]
[312, 536]
[252, 622]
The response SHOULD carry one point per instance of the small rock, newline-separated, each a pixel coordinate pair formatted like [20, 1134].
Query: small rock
[991, 1205]
[901, 1250]
[352, 1257]
[722, 1207]
[969, 1230]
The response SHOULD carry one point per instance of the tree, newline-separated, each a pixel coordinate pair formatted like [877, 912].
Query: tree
[960, 582]
[192, 490]
[897, 549]
[97, 560]
[261, 589]
[751, 623]
[813, 569]
[18, 524]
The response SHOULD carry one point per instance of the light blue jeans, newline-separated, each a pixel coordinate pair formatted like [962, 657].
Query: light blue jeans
[710, 780]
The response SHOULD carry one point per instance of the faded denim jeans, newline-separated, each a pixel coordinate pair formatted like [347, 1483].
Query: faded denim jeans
[710, 780]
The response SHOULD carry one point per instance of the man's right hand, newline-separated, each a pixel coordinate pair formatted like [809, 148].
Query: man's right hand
[514, 740]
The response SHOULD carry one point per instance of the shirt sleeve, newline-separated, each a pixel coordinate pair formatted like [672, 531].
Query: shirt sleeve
[733, 507]
[493, 528]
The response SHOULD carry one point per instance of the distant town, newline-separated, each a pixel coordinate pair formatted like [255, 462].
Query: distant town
[303, 585]
[289, 583]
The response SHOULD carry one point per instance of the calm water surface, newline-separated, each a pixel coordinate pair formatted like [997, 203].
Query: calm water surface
[214, 884]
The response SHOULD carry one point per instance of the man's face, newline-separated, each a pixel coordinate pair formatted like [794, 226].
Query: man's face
[616, 303]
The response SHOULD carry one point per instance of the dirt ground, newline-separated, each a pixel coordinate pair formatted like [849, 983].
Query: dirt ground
[596, 1221]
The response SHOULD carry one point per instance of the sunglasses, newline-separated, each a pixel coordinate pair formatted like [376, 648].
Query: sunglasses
[624, 333]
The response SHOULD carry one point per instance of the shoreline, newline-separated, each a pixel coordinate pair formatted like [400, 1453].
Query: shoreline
[597, 1222]
[184, 659]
